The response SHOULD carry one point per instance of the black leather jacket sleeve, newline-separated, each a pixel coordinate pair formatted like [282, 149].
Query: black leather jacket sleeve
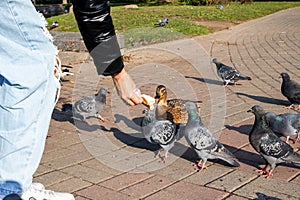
[97, 30]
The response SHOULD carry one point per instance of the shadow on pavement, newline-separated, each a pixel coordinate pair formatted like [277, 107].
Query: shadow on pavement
[265, 99]
[206, 80]
[67, 116]
[243, 129]
[137, 121]
[209, 81]
[261, 196]
[137, 140]
[62, 116]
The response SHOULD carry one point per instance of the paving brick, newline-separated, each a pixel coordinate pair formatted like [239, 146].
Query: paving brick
[188, 191]
[125, 180]
[148, 186]
[50, 146]
[296, 179]
[42, 169]
[270, 187]
[65, 139]
[235, 136]
[51, 178]
[96, 164]
[176, 170]
[99, 192]
[98, 146]
[208, 175]
[117, 155]
[137, 161]
[234, 197]
[70, 185]
[87, 174]
[232, 181]
[68, 161]
[81, 198]
[77, 148]
[286, 172]
[58, 153]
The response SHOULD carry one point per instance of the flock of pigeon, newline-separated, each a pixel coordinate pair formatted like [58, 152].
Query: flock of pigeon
[166, 119]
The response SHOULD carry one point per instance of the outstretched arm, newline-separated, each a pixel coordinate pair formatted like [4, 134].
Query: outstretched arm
[97, 29]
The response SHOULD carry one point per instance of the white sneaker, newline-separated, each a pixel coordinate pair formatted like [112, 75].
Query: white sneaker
[38, 186]
[37, 191]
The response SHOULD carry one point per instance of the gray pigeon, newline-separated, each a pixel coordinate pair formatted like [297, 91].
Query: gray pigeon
[163, 132]
[268, 144]
[229, 74]
[286, 124]
[162, 22]
[291, 90]
[202, 141]
[220, 6]
[91, 106]
[54, 25]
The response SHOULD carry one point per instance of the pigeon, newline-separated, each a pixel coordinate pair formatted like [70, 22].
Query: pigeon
[163, 133]
[170, 109]
[291, 90]
[220, 6]
[54, 25]
[203, 142]
[286, 124]
[229, 74]
[268, 144]
[162, 22]
[91, 106]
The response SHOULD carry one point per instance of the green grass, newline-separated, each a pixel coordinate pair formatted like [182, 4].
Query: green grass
[181, 18]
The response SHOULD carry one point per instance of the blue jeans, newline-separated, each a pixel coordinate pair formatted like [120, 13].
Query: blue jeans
[27, 93]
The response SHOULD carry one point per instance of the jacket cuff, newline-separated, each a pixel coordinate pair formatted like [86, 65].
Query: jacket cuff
[107, 57]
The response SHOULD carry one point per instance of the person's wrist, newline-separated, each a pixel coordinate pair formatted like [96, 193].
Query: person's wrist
[119, 75]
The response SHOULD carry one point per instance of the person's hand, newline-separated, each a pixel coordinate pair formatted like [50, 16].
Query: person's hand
[127, 89]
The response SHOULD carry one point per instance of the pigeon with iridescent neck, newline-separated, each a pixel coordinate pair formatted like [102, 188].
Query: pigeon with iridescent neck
[286, 124]
[203, 142]
[268, 144]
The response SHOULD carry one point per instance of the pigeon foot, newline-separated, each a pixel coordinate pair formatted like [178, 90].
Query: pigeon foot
[199, 166]
[289, 107]
[297, 108]
[102, 119]
[263, 170]
[269, 174]
[298, 138]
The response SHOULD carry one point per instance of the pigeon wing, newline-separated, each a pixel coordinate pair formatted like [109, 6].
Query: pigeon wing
[295, 122]
[222, 153]
[200, 138]
[292, 91]
[271, 145]
[227, 72]
[163, 132]
[86, 105]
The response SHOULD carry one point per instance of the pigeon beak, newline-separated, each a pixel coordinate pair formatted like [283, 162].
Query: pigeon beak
[250, 110]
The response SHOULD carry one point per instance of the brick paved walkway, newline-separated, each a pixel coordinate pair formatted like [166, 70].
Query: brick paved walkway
[112, 161]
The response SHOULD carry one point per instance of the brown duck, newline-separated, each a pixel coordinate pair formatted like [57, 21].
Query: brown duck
[170, 109]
